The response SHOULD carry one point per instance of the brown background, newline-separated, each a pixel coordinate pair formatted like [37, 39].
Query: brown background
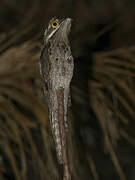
[102, 116]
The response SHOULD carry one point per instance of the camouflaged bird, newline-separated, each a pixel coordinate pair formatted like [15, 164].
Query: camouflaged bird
[56, 66]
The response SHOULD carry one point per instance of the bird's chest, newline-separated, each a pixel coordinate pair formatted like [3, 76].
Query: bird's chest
[60, 74]
[60, 67]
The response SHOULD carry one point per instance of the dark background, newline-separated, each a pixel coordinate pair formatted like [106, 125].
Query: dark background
[102, 117]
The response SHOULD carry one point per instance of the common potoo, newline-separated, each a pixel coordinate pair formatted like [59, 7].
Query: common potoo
[56, 66]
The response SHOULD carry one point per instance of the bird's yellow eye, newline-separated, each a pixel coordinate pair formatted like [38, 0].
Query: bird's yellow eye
[54, 24]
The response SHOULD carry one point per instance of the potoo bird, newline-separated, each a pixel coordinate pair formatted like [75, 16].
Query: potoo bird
[56, 66]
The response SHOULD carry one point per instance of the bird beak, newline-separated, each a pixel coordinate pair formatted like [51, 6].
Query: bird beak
[66, 25]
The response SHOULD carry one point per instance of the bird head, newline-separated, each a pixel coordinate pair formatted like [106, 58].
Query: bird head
[57, 29]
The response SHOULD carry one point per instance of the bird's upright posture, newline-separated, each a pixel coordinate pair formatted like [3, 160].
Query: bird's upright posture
[56, 66]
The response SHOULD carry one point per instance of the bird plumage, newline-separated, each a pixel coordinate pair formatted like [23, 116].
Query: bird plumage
[56, 66]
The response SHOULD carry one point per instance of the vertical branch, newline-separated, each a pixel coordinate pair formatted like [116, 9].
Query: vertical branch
[60, 97]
